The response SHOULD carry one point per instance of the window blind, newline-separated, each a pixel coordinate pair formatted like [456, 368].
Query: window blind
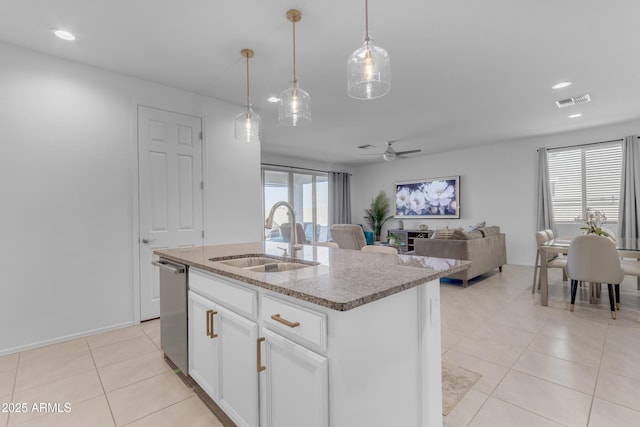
[585, 177]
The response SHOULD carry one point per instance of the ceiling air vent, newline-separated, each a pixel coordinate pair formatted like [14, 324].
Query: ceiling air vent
[568, 102]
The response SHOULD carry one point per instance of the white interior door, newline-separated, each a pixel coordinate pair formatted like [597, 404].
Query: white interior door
[170, 192]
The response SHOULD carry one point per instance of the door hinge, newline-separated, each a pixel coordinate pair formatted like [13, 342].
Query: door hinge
[200, 135]
[203, 234]
[202, 185]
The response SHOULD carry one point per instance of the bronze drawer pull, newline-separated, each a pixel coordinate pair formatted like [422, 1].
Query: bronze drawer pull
[277, 318]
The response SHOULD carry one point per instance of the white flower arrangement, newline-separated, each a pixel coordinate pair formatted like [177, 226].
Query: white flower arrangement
[594, 220]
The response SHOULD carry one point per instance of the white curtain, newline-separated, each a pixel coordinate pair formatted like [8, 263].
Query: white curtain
[544, 217]
[628, 226]
[339, 198]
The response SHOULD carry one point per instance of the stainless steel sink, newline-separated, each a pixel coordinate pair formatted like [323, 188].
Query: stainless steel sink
[264, 264]
[248, 262]
[277, 266]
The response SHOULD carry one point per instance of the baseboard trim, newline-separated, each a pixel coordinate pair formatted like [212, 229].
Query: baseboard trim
[7, 351]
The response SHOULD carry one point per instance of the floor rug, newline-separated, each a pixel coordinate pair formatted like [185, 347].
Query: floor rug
[456, 382]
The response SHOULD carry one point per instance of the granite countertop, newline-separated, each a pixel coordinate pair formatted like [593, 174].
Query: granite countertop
[343, 279]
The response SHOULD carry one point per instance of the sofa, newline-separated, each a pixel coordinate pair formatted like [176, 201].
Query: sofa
[485, 247]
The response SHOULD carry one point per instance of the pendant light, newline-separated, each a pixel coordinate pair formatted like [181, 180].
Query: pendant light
[248, 127]
[368, 68]
[295, 109]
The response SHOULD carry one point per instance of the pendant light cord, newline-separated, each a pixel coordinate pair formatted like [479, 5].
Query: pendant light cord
[247, 56]
[294, 53]
[366, 20]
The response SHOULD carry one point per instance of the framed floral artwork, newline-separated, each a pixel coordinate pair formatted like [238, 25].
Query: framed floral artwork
[428, 198]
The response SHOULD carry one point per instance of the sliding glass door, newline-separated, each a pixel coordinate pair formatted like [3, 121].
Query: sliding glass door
[307, 192]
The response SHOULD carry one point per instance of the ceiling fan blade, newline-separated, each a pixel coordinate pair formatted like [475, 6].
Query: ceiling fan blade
[399, 153]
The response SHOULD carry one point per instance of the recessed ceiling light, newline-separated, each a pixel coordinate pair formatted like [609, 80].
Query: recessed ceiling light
[273, 99]
[64, 35]
[561, 85]
[573, 116]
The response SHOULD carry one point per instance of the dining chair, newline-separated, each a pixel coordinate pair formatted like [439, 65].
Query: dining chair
[348, 236]
[550, 234]
[285, 229]
[380, 249]
[551, 260]
[327, 244]
[631, 267]
[592, 258]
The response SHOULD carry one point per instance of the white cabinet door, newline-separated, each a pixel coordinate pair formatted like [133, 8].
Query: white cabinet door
[238, 374]
[222, 358]
[293, 386]
[203, 347]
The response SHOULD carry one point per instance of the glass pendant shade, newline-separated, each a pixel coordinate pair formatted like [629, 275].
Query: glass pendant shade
[295, 106]
[295, 103]
[368, 72]
[389, 156]
[248, 126]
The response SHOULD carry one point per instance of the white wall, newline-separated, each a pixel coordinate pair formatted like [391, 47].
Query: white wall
[497, 184]
[68, 191]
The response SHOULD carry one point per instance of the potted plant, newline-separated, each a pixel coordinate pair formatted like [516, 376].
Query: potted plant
[394, 239]
[378, 213]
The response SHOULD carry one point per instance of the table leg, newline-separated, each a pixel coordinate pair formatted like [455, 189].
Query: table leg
[544, 281]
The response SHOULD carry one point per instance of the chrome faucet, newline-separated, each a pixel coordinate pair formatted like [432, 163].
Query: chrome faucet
[293, 241]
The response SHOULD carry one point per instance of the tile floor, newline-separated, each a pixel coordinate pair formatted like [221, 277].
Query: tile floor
[116, 378]
[540, 366]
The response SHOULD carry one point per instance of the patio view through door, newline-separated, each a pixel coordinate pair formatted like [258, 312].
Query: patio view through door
[169, 192]
[307, 192]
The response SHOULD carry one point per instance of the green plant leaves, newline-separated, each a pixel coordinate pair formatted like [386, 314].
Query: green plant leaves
[378, 213]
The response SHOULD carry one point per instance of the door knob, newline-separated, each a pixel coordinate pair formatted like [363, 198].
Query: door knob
[145, 240]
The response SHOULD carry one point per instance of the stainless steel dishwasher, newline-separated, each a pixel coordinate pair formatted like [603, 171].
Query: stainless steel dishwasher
[173, 312]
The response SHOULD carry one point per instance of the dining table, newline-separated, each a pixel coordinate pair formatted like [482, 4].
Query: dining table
[627, 248]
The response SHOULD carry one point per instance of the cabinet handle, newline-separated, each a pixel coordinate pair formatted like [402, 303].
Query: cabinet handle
[259, 355]
[210, 314]
[209, 323]
[277, 318]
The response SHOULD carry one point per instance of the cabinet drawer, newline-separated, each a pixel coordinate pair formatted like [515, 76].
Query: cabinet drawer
[299, 323]
[232, 296]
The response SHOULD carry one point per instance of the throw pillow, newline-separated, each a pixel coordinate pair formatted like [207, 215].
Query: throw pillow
[492, 230]
[475, 227]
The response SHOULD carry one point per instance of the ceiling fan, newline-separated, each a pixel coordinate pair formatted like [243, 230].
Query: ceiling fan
[391, 154]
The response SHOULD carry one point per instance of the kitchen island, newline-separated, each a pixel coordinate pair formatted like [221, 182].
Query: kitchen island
[337, 337]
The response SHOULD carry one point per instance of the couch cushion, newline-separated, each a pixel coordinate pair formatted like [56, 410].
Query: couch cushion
[444, 233]
[492, 230]
[463, 235]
